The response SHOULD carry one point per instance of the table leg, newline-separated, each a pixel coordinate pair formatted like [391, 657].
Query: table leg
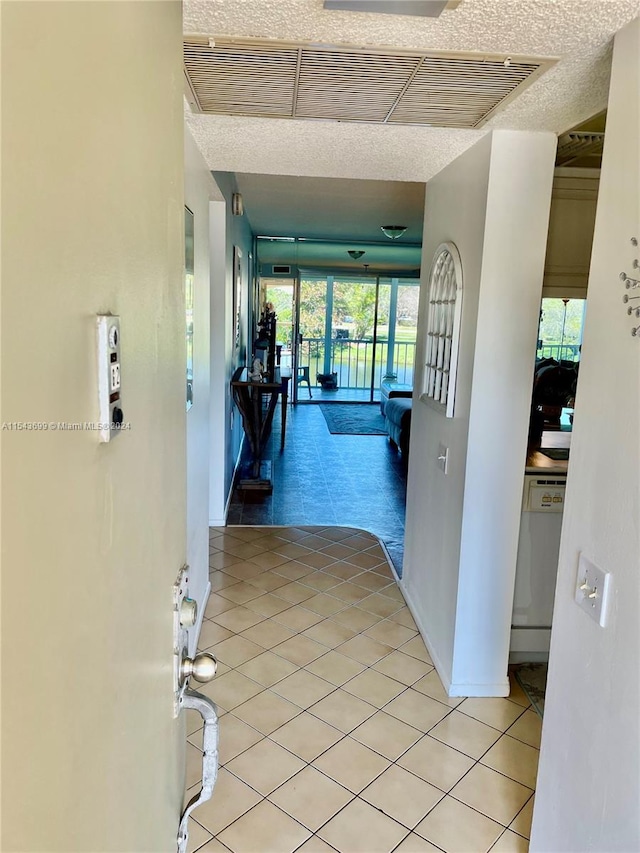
[283, 403]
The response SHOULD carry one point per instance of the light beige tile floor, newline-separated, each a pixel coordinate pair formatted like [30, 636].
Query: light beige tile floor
[335, 731]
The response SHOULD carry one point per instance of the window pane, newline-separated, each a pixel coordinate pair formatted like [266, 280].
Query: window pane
[560, 331]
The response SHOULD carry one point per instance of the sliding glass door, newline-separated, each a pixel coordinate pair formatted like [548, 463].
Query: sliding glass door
[353, 331]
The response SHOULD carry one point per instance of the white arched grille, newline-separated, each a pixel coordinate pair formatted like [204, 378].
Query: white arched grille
[443, 327]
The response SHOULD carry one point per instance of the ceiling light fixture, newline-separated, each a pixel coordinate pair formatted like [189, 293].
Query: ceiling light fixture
[422, 8]
[393, 231]
[355, 253]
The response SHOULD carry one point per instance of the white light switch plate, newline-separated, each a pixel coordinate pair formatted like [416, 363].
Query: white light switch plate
[592, 590]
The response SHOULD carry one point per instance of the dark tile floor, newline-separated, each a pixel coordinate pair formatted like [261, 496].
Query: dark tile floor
[321, 479]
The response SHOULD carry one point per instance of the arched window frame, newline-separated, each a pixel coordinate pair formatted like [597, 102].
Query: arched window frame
[442, 337]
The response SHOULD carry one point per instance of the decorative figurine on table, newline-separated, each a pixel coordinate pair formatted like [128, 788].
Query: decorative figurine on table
[265, 344]
[255, 374]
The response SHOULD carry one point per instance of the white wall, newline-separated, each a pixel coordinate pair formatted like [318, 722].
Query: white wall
[200, 194]
[588, 782]
[434, 502]
[493, 203]
[93, 535]
[226, 436]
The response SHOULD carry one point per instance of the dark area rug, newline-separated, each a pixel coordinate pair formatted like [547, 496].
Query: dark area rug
[353, 418]
[532, 677]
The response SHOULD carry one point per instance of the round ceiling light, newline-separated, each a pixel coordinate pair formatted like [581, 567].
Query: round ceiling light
[355, 253]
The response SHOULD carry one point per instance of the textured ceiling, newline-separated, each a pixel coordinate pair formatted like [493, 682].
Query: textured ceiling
[577, 32]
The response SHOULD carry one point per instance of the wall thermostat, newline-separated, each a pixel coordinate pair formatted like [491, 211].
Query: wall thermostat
[110, 414]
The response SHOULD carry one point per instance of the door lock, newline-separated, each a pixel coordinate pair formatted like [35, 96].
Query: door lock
[202, 667]
[188, 612]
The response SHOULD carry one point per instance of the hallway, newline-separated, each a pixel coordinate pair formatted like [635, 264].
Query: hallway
[335, 734]
[320, 478]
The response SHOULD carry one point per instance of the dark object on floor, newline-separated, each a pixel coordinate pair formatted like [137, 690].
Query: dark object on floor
[532, 677]
[353, 418]
[397, 418]
[329, 381]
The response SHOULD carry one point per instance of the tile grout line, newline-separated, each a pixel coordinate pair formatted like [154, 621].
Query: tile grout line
[329, 617]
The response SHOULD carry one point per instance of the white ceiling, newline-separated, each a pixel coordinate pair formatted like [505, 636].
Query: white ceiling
[578, 33]
[332, 208]
[392, 258]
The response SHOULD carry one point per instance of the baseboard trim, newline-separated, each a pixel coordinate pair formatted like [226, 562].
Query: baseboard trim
[501, 688]
[443, 674]
[452, 688]
[234, 476]
[222, 522]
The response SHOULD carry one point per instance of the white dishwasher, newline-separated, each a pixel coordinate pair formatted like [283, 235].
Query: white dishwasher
[537, 565]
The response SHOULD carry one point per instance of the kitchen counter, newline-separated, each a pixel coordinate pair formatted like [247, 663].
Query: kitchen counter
[537, 461]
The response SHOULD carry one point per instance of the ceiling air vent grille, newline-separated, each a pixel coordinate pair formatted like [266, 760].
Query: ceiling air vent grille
[242, 82]
[255, 77]
[281, 269]
[458, 92]
[576, 145]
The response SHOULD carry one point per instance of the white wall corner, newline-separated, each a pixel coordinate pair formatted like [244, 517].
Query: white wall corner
[441, 668]
[515, 237]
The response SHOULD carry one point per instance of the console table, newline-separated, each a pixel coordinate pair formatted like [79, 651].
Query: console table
[256, 402]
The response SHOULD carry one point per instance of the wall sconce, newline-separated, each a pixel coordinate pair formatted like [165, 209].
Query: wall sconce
[237, 205]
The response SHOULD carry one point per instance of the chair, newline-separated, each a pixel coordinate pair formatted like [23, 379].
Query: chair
[303, 372]
[302, 377]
